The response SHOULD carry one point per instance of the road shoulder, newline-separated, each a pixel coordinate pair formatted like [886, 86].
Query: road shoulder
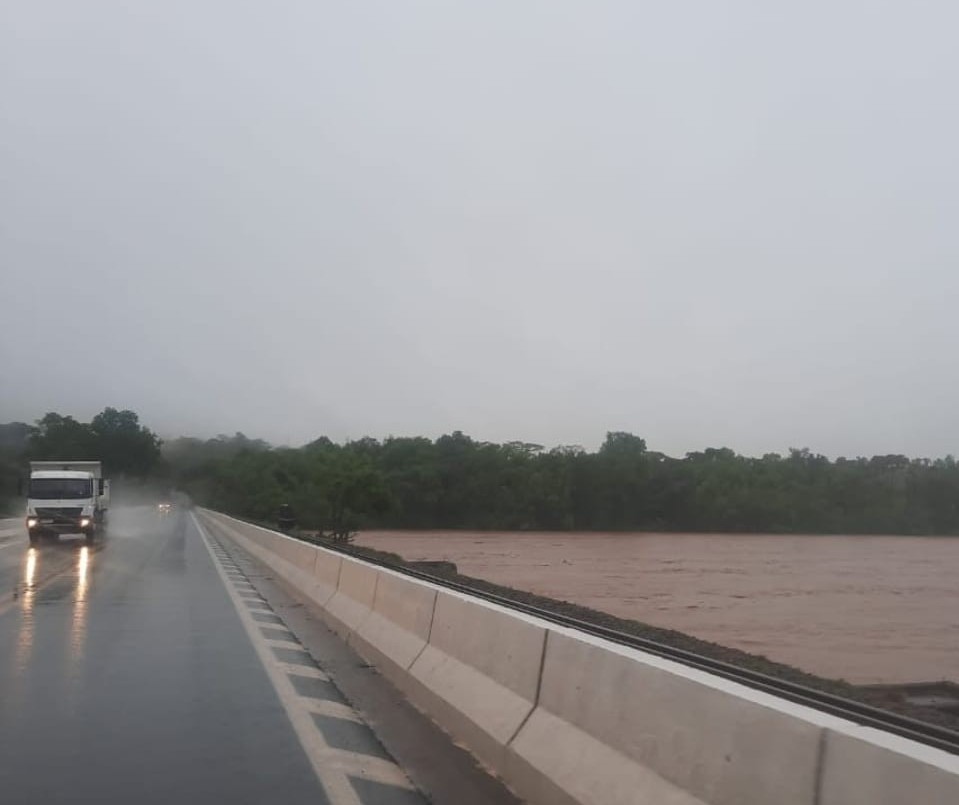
[444, 772]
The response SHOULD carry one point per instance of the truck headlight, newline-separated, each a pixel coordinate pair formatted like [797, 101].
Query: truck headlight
[31, 522]
[84, 522]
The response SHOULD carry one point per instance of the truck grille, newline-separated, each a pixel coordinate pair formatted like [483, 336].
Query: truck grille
[66, 515]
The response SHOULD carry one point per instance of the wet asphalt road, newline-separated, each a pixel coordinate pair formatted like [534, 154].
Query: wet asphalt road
[126, 676]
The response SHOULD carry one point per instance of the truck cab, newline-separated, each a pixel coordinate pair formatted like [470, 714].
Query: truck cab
[66, 498]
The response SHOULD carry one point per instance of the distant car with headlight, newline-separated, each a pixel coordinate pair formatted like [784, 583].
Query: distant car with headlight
[164, 507]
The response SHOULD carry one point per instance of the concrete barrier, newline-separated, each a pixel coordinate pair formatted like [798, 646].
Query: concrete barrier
[568, 719]
[223, 525]
[658, 729]
[352, 602]
[479, 673]
[298, 563]
[398, 628]
[301, 558]
[326, 574]
[863, 766]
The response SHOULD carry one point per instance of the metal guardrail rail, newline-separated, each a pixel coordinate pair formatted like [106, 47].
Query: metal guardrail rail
[849, 709]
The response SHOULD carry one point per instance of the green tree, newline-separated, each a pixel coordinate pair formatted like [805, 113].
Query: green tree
[114, 437]
[457, 482]
[55, 437]
[124, 445]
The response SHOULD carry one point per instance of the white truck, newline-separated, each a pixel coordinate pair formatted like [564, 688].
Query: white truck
[67, 497]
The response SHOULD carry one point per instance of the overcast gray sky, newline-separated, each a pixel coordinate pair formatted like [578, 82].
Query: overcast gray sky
[709, 223]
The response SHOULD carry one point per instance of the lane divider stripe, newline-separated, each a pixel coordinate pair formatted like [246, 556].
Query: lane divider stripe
[333, 767]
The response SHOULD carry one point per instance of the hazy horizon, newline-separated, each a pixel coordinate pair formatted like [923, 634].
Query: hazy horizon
[707, 225]
[590, 446]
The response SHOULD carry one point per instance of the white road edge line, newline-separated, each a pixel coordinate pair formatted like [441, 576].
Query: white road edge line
[332, 766]
[337, 786]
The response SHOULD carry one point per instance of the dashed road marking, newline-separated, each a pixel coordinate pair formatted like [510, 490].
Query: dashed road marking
[266, 617]
[333, 709]
[375, 793]
[273, 633]
[313, 687]
[292, 656]
[348, 759]
[302, 670]
[350, 735]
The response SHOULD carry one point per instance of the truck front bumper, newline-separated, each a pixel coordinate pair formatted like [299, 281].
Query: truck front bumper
[84, 526]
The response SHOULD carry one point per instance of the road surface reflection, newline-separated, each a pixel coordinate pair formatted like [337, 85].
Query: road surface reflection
[78, 625]
[28, 594]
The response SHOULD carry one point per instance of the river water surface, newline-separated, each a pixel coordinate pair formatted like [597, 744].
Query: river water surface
[865, 609]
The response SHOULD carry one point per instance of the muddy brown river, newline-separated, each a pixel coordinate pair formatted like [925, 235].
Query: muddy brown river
[865, 609]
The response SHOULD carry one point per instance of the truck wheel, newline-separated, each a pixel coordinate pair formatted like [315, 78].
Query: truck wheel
[90, 538]
[34, 539]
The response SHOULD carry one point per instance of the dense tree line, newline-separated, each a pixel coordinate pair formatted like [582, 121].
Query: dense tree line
[13, 441]
[457, 482]
[114, 437]
[126, 448]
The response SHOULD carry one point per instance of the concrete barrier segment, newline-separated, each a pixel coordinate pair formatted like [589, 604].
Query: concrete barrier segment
[352, 602]
[720, 748]
[398, 628]
[863, 766]
[550, 761]
[326, 576]
[479, 674]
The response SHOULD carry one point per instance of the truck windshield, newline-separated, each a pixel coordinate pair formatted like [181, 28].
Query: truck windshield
[60, 488]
